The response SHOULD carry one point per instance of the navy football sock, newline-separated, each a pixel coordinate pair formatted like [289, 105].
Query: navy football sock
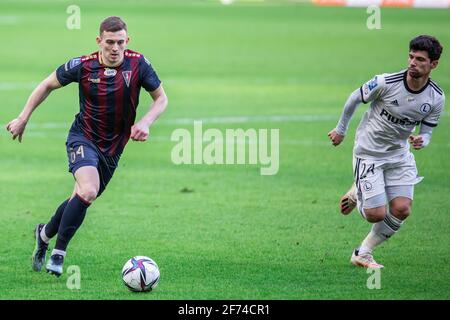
[51, 228]
[71, 220]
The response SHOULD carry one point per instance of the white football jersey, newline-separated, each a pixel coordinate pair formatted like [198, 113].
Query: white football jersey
[394, 113]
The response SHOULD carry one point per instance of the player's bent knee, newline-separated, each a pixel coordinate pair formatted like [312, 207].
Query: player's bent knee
[375, 214]
[401, 207]
[401, 211]
[88, 193]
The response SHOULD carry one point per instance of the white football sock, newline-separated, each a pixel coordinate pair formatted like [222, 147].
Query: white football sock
[44, 236]
[381, 231]
[60, 252]
[370, 242]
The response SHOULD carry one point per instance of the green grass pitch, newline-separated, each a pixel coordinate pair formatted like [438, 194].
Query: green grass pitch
[237, 234]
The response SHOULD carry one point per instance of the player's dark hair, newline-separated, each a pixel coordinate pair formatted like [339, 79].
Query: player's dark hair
[427, 43]
[112, 24]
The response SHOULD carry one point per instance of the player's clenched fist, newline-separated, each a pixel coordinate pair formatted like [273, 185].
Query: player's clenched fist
[416, 142]
[335, 137]
[139, 132]
[16, 127]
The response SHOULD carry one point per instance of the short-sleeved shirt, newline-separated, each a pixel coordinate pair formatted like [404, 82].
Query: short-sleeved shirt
[394, 113]
[109, 97]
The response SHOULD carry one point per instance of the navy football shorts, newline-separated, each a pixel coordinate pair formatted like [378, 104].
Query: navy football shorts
[81, 152]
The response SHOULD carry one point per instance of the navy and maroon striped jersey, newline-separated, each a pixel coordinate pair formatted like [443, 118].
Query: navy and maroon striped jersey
[108, 97]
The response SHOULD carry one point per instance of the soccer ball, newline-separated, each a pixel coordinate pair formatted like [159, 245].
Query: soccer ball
[140, 273]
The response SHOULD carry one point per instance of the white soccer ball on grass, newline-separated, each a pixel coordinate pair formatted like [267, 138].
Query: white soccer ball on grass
[140, 274]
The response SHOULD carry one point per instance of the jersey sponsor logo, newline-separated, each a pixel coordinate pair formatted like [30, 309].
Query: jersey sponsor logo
[425, 108]
[127, 77]
[94, 80]
[395, 120]
[110, 72]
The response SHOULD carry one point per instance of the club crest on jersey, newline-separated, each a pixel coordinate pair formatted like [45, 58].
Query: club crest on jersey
[127, 77]
[425, 108]
[367, 186]
[110, 72]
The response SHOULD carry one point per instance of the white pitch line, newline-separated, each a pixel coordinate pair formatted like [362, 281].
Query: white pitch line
[5, 19]
[308, 142]
[9, 86]
[293, 142]
[216, 120]
[248, 119]
[208, 120]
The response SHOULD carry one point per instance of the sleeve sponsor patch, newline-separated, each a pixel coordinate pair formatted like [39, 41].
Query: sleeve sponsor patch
[372, 84]
[69, 72]
[369, 86]
[74, 62]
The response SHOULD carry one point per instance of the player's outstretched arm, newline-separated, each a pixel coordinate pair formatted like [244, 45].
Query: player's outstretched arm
[337, 135]
[17, 126]
[140, 130]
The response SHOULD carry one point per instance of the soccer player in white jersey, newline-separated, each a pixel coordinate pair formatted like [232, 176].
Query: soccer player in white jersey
[384, 168]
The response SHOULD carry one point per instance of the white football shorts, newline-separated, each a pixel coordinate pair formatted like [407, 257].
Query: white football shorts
[378, 180]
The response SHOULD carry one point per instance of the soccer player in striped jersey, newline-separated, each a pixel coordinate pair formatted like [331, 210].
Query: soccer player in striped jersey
[109, 82]
[384, 169]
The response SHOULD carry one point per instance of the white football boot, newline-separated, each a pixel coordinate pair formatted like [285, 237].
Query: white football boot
[364, 260]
